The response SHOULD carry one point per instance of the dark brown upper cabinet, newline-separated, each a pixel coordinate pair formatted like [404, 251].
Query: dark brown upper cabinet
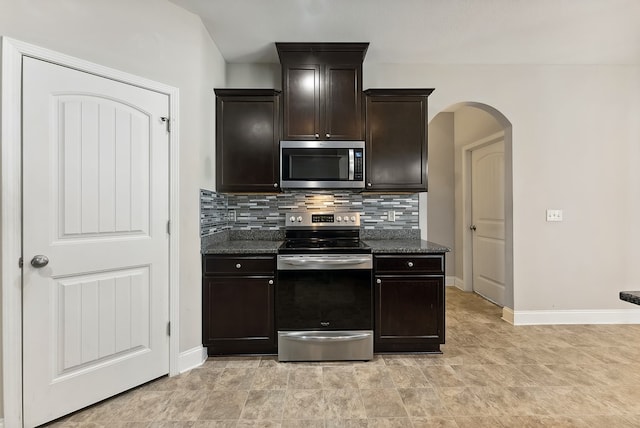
[322, 90]
[247, 139]
[396, 139]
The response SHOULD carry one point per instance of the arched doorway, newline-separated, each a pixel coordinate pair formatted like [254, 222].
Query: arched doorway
[453, 135]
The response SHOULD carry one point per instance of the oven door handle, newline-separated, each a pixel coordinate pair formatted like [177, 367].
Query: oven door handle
[326, 338]
[328, 262]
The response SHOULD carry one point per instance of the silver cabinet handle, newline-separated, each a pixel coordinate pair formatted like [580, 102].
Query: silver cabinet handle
[328, 135]
[473, 227]
[327, 338]
[378, 281]
[39, 261]
[317, 135]
[368, 184]
[275, 185]
[410, 264]
[271, 282]
[238, 266]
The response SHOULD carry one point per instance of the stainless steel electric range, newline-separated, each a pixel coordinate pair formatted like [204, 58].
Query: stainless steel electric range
[324, 293]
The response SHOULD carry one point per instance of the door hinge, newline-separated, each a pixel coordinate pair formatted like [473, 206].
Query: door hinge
[169, 227]
[20, 262]
[167, 122]
[169, 329]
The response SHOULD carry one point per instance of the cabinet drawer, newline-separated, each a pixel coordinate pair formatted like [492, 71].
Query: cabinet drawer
[409, 264]
[233, 265]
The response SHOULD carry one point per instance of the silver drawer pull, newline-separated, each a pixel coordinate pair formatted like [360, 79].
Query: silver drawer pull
[328, 338]
[271, 282]
[238, 266]
[410, 264]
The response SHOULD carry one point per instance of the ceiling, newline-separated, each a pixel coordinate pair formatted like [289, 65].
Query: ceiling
[431, 31]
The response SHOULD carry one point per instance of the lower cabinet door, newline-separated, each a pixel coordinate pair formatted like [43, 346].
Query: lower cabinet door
[409, 314]
[238, 315]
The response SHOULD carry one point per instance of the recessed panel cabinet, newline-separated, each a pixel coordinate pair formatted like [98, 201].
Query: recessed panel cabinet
[247, 138]
[409, 303]
[322, 90]
[396, 138]
[238, 304]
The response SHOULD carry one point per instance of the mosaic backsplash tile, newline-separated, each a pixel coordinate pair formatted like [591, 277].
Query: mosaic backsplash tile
[213, 213]
[267, 212]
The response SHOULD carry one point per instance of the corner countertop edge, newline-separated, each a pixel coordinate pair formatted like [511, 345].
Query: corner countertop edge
[630, 296]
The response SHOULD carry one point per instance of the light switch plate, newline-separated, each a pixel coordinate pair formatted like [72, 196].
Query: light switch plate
[231, 216]
[391, 215]
[554, 215]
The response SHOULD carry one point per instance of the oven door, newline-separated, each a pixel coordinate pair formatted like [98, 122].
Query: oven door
[324, 292]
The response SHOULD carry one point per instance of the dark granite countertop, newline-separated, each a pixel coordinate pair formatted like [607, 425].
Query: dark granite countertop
[241, 247]
[267, 242]
[409, 246]
[630, 296]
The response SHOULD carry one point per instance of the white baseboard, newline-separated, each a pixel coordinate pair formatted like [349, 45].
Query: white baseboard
[450, 281]
[458, 283]
[594, 316]
[1, 423]
[191, 359]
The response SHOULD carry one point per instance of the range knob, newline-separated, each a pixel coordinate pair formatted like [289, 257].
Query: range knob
[299, 219]
[338, 219]
[292, 218]
[353, 218]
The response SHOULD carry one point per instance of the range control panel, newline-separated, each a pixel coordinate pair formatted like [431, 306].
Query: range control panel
[319, 220]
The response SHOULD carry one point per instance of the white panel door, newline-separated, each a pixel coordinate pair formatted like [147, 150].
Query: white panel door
[487, 206]
[95, 203]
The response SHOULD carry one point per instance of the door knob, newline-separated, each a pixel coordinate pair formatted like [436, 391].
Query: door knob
[39, 261]
[473, 227]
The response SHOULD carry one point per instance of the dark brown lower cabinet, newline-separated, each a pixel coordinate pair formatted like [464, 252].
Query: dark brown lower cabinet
[409, 303]
[238, 304]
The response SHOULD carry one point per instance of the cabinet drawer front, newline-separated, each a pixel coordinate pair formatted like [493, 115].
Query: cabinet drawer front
[220, 265]
[409, 264]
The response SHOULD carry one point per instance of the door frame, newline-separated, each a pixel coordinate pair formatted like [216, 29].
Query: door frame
[467, 236]
[11, 208]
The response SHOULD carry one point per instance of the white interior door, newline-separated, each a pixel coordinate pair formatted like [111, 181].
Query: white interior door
[95, 203]
[487, 207]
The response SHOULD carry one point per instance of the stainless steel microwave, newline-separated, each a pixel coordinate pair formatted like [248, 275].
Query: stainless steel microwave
[322, 164]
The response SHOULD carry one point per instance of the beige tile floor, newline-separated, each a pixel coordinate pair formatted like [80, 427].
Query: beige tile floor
[491, 374]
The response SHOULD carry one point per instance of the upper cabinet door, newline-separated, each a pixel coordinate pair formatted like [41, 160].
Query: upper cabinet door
[322, 90]
[301, 84]
[396, 137]
[247, 139]
[342, 102]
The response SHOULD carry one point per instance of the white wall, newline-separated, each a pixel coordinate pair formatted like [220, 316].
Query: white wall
[440, 205]
[157, 40]
[255, 76]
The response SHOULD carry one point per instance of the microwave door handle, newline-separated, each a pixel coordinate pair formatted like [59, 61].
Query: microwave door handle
[352, 163]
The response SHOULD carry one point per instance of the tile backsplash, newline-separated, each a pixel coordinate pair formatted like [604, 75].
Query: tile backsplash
[267, 212]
